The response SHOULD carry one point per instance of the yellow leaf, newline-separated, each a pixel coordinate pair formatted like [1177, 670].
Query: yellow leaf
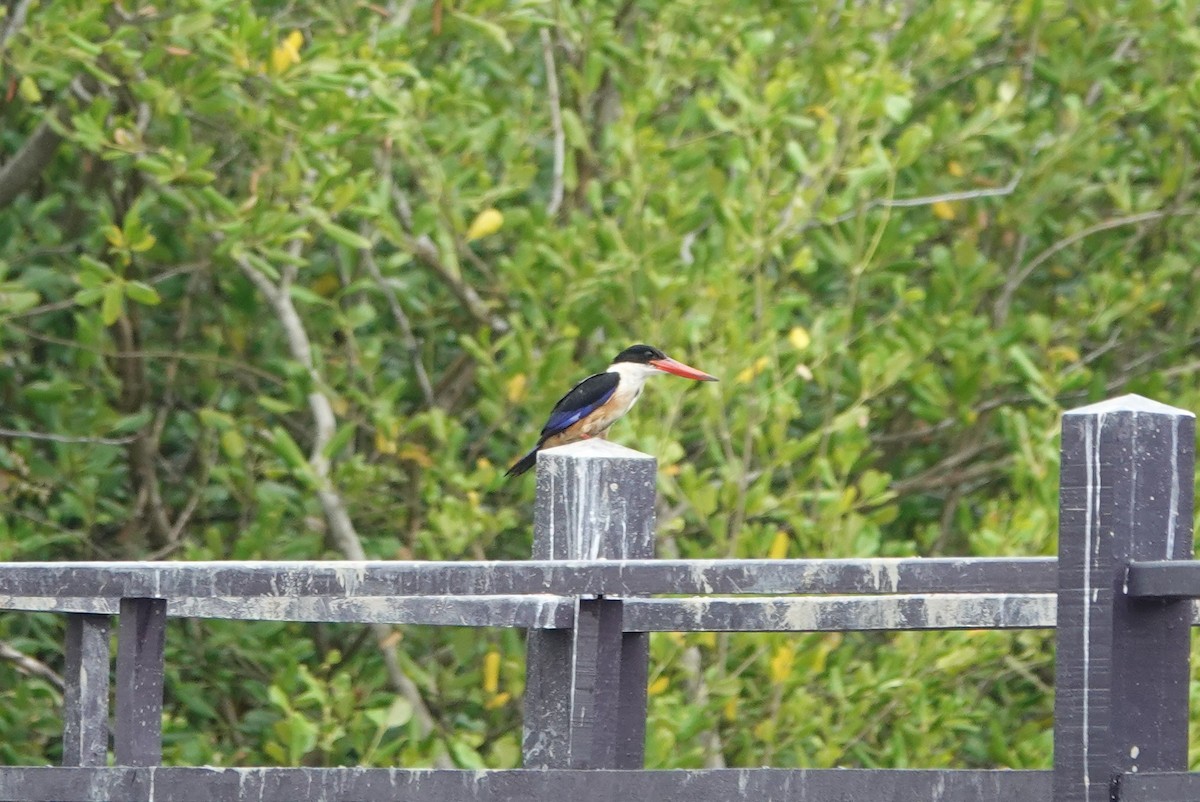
[29, 90]
[943, 210]
[115, 237]
[707, 639]
[514, 390]
[486, 222]
[415, 454]
[955, 169]
[799, 338]
[781, 663]
[779, 546]
[287, 53]
[730, 709]
[658, 686]
[491, 671]
[1063, 353]
[327, 284]
[749, 373]
[384, 444]
[499, 700]
[144, 244]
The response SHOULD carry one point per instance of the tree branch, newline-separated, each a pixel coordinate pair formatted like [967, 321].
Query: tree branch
[1016, 280]
[30, 666]
[926, 200]
[16, 21]
[560, 148]
[66, 438]
[407, 335]
[332, 504]
[427, 252]
[27, 164]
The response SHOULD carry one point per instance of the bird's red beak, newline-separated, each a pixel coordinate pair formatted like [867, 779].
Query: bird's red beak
[668, 365]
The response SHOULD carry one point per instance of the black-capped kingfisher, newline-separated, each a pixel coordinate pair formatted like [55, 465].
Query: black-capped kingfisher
[600, 400]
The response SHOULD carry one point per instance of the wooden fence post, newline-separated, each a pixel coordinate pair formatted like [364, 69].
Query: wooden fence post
[141, 637]
[85, 695]
[585, 689]
[1121, 678]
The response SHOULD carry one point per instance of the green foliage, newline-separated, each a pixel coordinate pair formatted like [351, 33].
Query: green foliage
[906, 236]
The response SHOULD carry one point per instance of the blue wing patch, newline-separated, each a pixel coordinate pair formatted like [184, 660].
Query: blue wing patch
[584, 399]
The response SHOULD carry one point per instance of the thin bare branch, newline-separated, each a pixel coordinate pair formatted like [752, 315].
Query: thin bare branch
[560, 140]
[427, 252]
[926, 200]
[1016, 280]
[27, 164]
[16, 21]
[407, 336]
[30, 666]
[148, 353]
[16, 434]
[332, 504]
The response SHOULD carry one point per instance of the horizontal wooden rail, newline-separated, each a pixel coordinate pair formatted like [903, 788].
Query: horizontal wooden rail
[348, 579]
[1163, 579]
[1168, 786]
[170, 784]
[692, 614]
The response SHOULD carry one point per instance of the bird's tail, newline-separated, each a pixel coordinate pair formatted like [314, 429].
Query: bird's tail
[524, 463]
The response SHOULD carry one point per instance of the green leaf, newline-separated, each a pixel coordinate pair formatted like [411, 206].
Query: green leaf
[275, 405]
[132, 423]
[465, 756]
[339, 440]
[233, 444]
[287, 448]
[487, 27]
[344, 235]
[114, 302]
[142, 293]
[17, 300]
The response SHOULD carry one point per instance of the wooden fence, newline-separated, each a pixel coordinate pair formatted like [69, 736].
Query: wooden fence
[1119, 593]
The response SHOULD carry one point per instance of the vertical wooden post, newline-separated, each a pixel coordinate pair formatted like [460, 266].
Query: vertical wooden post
[141, 637]
[85, 697]
[1121, 678]
[585, 689]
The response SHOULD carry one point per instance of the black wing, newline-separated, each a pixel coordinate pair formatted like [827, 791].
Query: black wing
[583, 399]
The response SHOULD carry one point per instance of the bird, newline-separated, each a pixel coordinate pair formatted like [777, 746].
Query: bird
[600, 400]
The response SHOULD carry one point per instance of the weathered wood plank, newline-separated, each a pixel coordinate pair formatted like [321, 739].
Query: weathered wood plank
[349, 579]
[1166, 579]
[595, 685]
[1121, 683]
[85, 696]
[170, 784]
[595, 501]
[525, 612]
[692, 614]
[1175, 786]
[141, 637]
[842, 613]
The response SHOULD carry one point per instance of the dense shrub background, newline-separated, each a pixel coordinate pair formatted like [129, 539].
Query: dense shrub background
[251, 277]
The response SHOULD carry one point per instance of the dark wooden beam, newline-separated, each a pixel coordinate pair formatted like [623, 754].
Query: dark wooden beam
[169, 784]
[1121, 681]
